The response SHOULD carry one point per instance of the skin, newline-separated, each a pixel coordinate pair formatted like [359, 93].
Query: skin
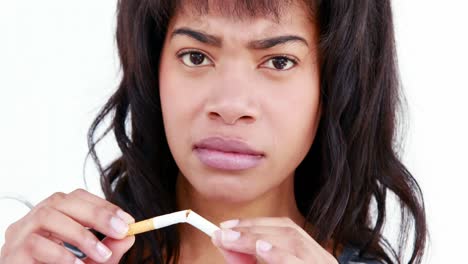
[37, 237]
[237, 93]
[227, 88]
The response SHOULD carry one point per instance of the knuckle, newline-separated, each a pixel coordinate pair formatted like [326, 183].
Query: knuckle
[101, 213]
[43, 214]
[296, 244]
[108, 209]
[114, 208]
[3, 252]
[300, 248]
[96, 211]
[78, 192]
[30, 243]
[282, 258]
[110, 206]
[84, 237]
[104, 212]
[62, 256]
[11, 231]
[291, 232]
[57, 197]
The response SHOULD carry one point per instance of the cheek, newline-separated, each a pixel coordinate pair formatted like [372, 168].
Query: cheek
[181, 104]
[181, 94]
[296, 119]
[175, 106]
[176, 102]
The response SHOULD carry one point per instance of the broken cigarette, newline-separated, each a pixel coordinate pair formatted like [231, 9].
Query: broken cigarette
[184, 216]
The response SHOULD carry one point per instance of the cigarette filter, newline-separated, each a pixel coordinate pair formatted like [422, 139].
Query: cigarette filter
[157, 222]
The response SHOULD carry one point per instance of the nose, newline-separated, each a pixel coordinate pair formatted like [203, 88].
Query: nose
[232, 100]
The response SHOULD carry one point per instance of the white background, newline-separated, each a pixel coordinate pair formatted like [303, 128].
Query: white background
[58, 65]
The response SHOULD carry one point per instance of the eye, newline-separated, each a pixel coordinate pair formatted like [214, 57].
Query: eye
[193, 58]
[281, 63]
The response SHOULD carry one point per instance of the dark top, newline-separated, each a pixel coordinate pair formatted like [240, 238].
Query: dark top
[350, 255]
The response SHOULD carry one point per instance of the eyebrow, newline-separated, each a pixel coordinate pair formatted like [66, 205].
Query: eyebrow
[198, 35]
[254, 44]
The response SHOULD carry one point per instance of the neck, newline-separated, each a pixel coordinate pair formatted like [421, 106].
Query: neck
[195, 245]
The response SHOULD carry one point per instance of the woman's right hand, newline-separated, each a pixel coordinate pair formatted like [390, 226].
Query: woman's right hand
[37, 237]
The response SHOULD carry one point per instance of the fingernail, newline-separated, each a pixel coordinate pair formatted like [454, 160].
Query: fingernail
[127, 218]
[103, 250]
[229, 223]
[230, 235]
[78, 261]
[216, 237]
[263, 246]
[118, 225]
[217, 234]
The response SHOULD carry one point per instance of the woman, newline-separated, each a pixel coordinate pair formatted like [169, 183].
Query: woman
[277, 117]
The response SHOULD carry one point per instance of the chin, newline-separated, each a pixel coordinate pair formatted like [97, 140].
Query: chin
[227, 191]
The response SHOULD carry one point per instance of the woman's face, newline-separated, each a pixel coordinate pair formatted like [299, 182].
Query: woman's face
[228, 82]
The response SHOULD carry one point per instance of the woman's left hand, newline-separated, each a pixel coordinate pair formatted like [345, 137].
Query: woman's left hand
[270, 240]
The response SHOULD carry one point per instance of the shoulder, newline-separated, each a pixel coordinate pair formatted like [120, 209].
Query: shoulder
[350, 255]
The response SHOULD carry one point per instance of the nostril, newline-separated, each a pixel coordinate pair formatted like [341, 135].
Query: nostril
[213, 115]
[247, 119]
[230, 118]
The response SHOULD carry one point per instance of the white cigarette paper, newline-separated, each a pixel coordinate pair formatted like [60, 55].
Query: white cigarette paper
[201, 223]
[184, 216]
[169, 219]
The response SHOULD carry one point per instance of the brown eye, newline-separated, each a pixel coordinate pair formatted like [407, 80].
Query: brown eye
[194, 59]
[281, 63]
[197, 58]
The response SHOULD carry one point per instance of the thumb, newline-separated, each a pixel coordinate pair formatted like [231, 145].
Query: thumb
[232, 257]
[118, 248]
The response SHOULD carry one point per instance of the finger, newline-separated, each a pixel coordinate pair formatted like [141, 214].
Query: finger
[118, 247]
[266, 221]
[64, 228]
[46, 251]
[288, 239]
[233, 257]
[85, 195]
[18, 256]
[59, 198]
[99, 218]
[107, 221]
[243, 239]
[270, 254]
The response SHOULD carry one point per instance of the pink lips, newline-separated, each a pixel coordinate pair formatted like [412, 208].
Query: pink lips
[224, 154]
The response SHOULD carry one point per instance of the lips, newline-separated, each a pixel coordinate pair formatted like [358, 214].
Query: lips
[225, 145]
[223, 154]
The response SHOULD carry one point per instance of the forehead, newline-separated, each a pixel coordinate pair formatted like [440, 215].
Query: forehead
[244, 17]
[235, 9]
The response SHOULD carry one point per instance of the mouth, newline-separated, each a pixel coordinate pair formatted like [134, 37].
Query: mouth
[227, 154]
